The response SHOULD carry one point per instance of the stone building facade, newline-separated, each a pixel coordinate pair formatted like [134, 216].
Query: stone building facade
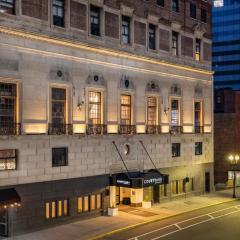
[102, 103]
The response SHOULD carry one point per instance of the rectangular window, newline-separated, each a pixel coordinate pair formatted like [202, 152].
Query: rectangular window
[58, 106]
[198, 148]
[7, 6]
[193, 10]
[8, 116]
[47, 210]
[152, 36]
[197, 116]
[189, 185]
[93, 202]
[175, 112]
[175, 43]
[176, 150]
[60, 208]
[56, 209]
[198, 49]
[59, 157]
[8, 159]
[95, 20]
[86, 204]
[53, 215]
[125, 29]
[160, 3]
[175, 5]
[151, 111]
[80, 205]
[203, 15]
[65, 207]
[163, 190]
[94, 108]
[174, 187]
[99, 201]
[58, 12]
[125, 111]
[181, 186]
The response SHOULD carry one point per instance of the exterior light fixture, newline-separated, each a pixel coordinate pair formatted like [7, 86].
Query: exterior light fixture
[234, 160]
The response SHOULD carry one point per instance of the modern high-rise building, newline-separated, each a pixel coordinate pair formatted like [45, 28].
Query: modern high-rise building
[102, 103]
[226, 43]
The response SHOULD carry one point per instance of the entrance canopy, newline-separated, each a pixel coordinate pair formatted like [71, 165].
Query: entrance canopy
[9, 197]
[138, 179]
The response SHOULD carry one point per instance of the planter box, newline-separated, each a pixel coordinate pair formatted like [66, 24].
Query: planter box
[112, 212]
[146, 204]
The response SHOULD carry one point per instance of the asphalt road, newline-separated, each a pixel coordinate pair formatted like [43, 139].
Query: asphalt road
[220, 222]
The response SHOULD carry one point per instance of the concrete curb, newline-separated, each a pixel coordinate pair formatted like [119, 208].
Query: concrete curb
[154, 220]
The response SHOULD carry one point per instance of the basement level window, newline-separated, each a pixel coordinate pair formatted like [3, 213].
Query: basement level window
[7, 6]
[59, 157]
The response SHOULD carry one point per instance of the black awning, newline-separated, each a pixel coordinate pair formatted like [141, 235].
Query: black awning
[9, 196]
[138, 179]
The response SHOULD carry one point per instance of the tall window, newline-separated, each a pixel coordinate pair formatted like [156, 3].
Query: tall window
[175, 112]
[198, 114]
[95, 20]
[8, 94]
[59, 157]
[198, 148]
[160, 3]
[193, 10]
[175, 43]
[152, 36]
[203, 15]
[125, 113]
[151, 111]
[198, 49]
[125, 29]
[58, 106]
[7, 6]
[176, 150]
[56, 209]
[175, 5]
[94, 107]
[58, 12]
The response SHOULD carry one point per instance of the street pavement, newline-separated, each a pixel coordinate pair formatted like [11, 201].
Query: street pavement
[130, 218]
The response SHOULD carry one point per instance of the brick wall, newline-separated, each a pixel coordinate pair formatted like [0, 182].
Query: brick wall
[140, 33]
[111, 25]
[78, 17]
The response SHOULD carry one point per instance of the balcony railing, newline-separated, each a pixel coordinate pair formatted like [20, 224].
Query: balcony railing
[96, 129]
[151, 129]
[199, 129]
[176, 129]
[9, 128]
[60, 129]
[127, 129]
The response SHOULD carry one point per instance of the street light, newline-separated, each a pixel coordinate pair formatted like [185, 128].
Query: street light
[233, 159]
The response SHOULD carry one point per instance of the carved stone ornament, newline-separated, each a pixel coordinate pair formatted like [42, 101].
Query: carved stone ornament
[198, 91]
[60, 74]
[125, 10]
[8, 64]
[199, 29]
[153, 87]
[153, 18]
[175, 90]
[96, 79]
[126, 83]
[176, 26]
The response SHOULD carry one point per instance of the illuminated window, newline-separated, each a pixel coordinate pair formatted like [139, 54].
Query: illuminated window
[8, 95]
[47, 210]
[94, 108]
[181, 186]
[99, 201]
[59, 208]
[151, 111]
[174, 187]
[86, 204]
[152, 37]
[65, 207]
[7, 6]
[189, 185]
[58, 106]
[175, 43]
[198, 49]
[125, 110]
[198, 114]
[8, 159]
[93, 202]
[53, 215]
[80, 204]
[175, 112]
[125, 29]
[58, 12]
[95, 20]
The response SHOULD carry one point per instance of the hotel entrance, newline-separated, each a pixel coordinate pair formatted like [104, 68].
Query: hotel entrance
[134, 188]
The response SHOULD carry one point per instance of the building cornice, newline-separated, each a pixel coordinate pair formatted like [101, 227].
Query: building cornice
[96, 49]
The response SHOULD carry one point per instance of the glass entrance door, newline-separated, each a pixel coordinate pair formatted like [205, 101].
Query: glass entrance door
[3, 223]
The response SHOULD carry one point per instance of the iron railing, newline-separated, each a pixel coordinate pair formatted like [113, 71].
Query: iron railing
[60, 129]
[199, 129]
[176, 129]
[9, 128]
[127, 129]
[153, 129]
[96, 129]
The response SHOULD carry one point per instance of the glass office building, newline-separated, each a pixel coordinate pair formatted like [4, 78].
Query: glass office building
[226, 43]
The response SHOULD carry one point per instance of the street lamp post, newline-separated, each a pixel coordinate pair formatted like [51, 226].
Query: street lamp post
[234, 161]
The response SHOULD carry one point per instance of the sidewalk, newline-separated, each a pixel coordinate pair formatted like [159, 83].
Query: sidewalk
[88, 229]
